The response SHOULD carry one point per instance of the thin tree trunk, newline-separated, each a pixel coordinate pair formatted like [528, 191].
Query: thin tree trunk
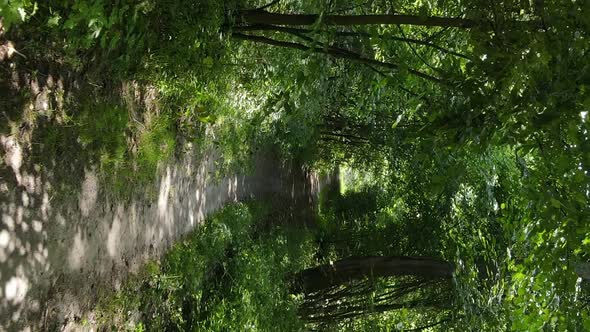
[442, 321]
[356, 268]
[264, 17]
[352, 312]
[583, 270]
[349, 137]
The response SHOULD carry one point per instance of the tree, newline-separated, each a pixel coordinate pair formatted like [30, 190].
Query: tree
[583, 270]
[260, 20]
[358, 286]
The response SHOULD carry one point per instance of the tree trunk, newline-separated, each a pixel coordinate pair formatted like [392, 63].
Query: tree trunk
[356, 268]
[583, 270]
[264, 17]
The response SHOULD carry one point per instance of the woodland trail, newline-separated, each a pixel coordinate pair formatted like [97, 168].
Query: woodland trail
[57, 260]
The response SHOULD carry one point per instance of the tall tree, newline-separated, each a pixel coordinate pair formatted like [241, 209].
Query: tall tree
[284, 26]
[358, 286]
[357, 268]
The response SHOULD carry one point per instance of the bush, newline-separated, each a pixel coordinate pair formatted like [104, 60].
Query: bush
[226, 276]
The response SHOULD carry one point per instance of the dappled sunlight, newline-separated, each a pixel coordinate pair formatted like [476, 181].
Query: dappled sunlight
[24, 209]
[13, 155]
[56, 254]
[89, 194]
[64, 239]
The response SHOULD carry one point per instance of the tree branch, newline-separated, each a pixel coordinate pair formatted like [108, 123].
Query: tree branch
[420, 57]
[267, 27]
[268, 5]
[337, 53]
[448, 319]
[264, 17]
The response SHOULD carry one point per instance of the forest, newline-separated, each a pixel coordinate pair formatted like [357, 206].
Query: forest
[295, 165]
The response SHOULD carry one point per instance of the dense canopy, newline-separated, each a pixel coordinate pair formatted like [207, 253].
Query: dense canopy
[459, 130]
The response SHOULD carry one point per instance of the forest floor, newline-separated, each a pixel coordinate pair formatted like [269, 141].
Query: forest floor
[72, 229]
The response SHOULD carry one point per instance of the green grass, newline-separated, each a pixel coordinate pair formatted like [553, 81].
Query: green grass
[106, 43]
[229, 275]
[98, 134]
[156, 143]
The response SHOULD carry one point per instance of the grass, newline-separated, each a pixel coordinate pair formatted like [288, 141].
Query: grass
[229, 275]
[156, 143]
[98, 133]
[93, 46]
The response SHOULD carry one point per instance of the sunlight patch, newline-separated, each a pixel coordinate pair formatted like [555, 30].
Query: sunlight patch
[13, 154]
[89, 194]
[15, 289]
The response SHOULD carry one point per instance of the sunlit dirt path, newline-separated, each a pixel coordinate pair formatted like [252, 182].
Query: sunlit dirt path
[56, 260]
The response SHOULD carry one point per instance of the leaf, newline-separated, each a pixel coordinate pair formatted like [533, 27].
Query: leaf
[207, 118]
[114, 41]
[23, 13]
[70, 23]
[53, 20]
[208, 61]
[519, 276]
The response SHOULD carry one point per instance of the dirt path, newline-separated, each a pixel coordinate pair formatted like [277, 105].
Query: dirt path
[56, 260]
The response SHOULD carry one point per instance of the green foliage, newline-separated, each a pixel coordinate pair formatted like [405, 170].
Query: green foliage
[97, 133]
[471, 221]
[258, 298]
[101, 130]
[157, 142]
[485, 166]
[16, 11]
[227, 275]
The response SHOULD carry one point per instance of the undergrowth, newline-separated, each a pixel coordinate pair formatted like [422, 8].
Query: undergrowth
[156, 143]
[99, 134]
[229, 275]
[174, 47]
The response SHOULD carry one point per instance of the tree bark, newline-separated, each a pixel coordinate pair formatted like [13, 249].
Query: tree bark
[356, 268]
[264, 17]
[583, 270]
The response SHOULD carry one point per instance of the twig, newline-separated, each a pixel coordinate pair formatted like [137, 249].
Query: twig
[419, 56]
[268, 27]
[268, 5]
